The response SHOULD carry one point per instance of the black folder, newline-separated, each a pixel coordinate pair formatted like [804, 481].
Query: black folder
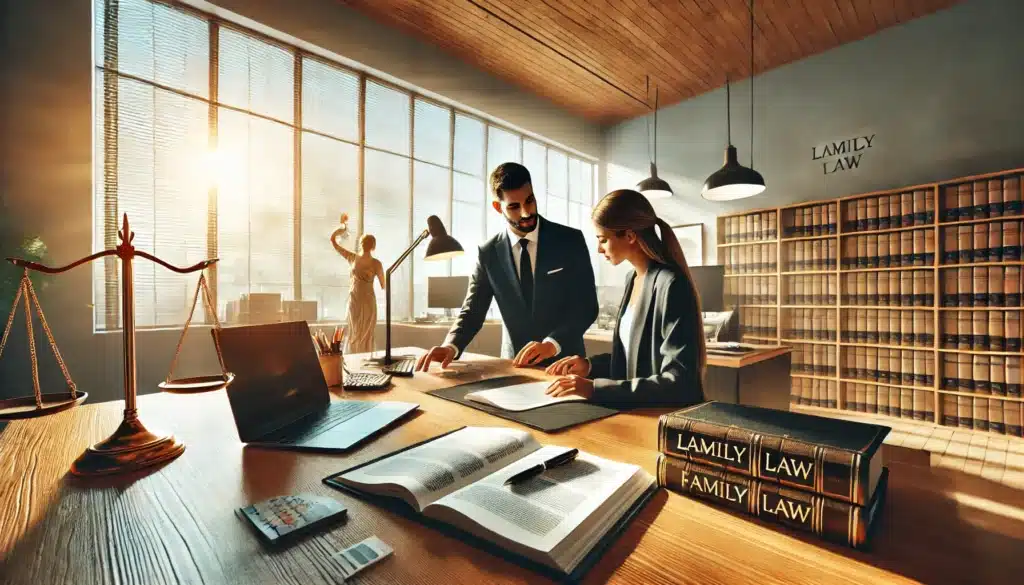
[399, 506]
[547, 418]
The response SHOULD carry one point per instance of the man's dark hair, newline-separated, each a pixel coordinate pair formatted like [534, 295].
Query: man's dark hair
[507, 176]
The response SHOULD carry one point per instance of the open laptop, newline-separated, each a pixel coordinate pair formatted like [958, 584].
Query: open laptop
[279, 397]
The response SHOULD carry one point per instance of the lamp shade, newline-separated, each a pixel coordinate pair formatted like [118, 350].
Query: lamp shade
[733, 180]
[654, 187]
[441, 245]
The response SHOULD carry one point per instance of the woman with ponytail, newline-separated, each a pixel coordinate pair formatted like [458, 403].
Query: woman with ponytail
[658, 353]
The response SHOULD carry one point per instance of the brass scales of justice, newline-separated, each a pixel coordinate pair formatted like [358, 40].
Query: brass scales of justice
[131, 447]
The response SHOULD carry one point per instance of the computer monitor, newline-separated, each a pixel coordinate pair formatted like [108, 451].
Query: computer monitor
[446, 292]
[710, 283]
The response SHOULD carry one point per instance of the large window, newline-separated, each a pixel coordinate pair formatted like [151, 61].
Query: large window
[217, 141]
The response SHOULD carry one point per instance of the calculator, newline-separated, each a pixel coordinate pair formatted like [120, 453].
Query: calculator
[365, 380]
[285, 517]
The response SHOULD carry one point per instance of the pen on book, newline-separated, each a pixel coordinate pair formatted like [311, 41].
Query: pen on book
[540, 468]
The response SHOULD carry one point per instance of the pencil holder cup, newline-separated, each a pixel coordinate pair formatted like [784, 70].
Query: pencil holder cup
[331, 365]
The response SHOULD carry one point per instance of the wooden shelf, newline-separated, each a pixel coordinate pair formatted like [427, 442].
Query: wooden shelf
[888, 230]
[977, 395]
[784, 217]
[981, 220]
[757, 243]
[752, 275]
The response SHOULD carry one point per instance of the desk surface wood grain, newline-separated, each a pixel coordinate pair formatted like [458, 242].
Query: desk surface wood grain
[176, 524]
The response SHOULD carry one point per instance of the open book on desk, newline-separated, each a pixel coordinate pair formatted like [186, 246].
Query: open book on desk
[557, 519]
[519, 397]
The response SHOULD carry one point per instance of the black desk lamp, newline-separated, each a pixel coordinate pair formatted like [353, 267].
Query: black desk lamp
[441, 247]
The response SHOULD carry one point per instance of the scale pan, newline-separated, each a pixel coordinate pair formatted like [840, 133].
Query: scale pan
[197, 384]
[25, 406]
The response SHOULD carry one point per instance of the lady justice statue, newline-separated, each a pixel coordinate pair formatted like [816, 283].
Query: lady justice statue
[361, 316]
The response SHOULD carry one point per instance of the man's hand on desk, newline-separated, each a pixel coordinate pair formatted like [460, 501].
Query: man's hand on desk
[534, 353]
[444, 354]
[571, 384]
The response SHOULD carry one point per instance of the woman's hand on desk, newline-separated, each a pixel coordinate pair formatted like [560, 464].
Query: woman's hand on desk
[573, 364]
[571, 384]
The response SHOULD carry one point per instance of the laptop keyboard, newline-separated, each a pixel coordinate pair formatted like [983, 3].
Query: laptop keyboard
[339, 412]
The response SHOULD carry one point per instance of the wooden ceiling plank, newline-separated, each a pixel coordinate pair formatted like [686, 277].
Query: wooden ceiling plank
[627, 17]
[487, 60]
[794, 19]
[665, 18]
[903, 9]
[527, 16]
[853, 28]
[680, 76]
[778, 41]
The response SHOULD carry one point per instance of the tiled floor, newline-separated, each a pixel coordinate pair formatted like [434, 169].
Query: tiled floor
[994, 457]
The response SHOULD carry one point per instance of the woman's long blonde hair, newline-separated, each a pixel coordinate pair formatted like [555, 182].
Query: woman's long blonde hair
[626, 209]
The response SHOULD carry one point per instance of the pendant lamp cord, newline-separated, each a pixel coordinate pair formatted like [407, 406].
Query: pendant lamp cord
[751, 83]
[728, 112]
[647, 97]
[655, 161]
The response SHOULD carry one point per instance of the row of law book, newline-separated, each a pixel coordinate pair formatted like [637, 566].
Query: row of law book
[982, 330]
[897, 402]
[982, 374]
[810, 255]
[816, 359]
[753, 227]
[992, 286]
[812, 324]
[902, 288]
[889, 327]
[811, 289]
[754, 290]
[984, 198]
[1002, 417]
[810, 221]
[882, 212]
[982, 242]
[759, 322]
[814, 392]
[753, 259]
[899, 367]
[814, 474]
[889, 250]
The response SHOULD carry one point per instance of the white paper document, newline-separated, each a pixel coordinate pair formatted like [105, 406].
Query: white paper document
[519, 397]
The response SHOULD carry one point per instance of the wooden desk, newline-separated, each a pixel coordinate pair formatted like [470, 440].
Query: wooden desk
[177, 524]
[758, 378]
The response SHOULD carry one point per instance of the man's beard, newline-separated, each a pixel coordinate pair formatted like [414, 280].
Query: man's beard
[518, 224]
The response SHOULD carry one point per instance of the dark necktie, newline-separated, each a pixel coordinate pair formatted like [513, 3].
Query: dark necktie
[526, 273]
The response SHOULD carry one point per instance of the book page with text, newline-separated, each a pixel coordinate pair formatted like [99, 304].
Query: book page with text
[438, 468]
[540, 512]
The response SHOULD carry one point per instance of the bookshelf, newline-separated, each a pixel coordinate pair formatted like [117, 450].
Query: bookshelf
[905, 302]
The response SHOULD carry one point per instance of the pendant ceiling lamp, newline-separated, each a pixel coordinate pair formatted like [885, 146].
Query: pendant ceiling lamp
[654, 187]
[733, 180]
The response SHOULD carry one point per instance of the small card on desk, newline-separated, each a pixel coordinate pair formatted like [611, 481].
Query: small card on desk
[285, 517]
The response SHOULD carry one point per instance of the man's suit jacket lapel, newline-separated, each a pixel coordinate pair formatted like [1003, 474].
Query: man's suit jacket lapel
[504, 250]
[546, 259]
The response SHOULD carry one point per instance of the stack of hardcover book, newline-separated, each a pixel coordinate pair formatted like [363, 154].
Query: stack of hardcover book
[815, 474]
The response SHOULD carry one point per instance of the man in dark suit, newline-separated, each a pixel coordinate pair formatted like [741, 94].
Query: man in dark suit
[540, 274]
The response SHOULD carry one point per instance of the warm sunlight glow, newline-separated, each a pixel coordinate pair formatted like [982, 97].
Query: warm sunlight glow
[225, 169]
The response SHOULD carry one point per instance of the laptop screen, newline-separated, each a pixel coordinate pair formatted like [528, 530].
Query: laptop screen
[278, 379]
